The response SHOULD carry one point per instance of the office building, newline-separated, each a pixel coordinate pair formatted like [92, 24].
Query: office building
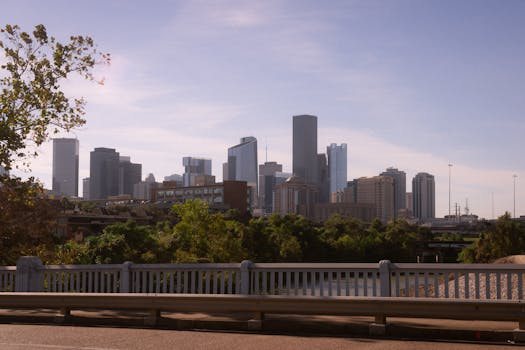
[400, 183]
[305, 163]
[194, 167]
[267, 182]
[242, 165]
[337, 167]
[423, 196]
[65, 167]
[323, 182]
[377, 190]
[85, 188]
[103, 173]
[364, 212]
[220, 196]
[174, 178]
[295, 196]
[129, 175]
[143, 190]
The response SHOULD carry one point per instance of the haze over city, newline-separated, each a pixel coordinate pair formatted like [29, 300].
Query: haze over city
[410, 84]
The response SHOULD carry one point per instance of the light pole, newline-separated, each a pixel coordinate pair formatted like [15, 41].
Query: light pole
[449, 173]
[514, 180]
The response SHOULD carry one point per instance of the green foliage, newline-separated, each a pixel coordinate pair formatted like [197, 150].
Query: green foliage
[31, 99]
[505, 237]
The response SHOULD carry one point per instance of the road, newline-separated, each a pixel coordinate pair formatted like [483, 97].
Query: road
[48, 337]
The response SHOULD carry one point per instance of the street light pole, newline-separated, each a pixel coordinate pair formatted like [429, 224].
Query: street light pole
[514, 180]
[449, 172]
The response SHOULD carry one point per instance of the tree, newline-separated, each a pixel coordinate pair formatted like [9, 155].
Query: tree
[32, 102]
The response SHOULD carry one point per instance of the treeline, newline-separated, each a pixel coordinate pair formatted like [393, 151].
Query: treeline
[201, 236]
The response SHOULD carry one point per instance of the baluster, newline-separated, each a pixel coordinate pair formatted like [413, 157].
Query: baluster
[272, 282]
[90, 282]
[165, 281]
[356, 283]
[416, 284]
[467, 285]
[199, 282]
[280, 276]
[230, 282]
[193, 281]
[96, 281]
[476, 284]
[365, 283]
[103, 281]
[330, 282]
[425, 286]
[223, 276]
[498, 285]
[456, 285]
[180, 275]
[487, 285]
[296, 282]
[264, 282]
[374, 284]
[509, 285]
[288, 281]
[321, 283]
[520, 286]
[398, 289]
[172, 281]
[312, 283]
[304, 276]
[207, 289]
[338, 282]
[436, 284]
[215, 278]
[237, 283]
[347, 283]
[407, 283]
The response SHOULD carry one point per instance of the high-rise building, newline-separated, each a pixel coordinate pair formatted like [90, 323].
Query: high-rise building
[423, 196]
[323, 182]
[85, 188]
[65, 167]
[103, 173]
[267, 184]
[295, 196]
[242, 164]
[400, 184]
[143, 190]
[378, 190]
[129, 175]
[305, 164]
[194, 167]
[337, 167]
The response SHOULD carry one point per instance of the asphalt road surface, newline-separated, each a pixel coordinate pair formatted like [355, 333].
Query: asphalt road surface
[48, 337]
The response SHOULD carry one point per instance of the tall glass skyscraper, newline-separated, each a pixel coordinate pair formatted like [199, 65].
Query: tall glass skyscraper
[103, 173]
[65, 167]
[242, 164]
[304, 160]
[424, 198]
[337, 167]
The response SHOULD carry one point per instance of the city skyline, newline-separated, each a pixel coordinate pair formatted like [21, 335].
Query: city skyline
[410, 85]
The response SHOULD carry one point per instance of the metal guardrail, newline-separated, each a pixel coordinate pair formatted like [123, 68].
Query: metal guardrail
[386, 279]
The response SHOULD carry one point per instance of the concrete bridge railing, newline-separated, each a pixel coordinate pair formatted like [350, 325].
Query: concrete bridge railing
[384, 279]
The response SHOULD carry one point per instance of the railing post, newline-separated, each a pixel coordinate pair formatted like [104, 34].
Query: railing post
[29, 274]
[245, 277]
[384, 277]
[125, 279]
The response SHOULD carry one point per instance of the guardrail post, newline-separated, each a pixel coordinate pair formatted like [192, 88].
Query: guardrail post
[125, 279]
[29, 274]
[245, 277]
[384, 277]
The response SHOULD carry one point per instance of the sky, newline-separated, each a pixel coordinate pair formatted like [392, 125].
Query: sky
[412, 84]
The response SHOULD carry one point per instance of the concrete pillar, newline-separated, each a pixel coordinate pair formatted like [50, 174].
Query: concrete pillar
[245, 277]
[125, 277]
[384, 277]
[29, 274]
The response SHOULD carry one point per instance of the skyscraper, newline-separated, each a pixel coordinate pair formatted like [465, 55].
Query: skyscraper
[129, 175]
[337, 167]
[242, 164]
[65, 167]
[85, 188]
[323, 182]
[304, 160]
[377, 190]
[400, 184]
[103, 173]
[194, 167]
[267, 182]
[423, 196]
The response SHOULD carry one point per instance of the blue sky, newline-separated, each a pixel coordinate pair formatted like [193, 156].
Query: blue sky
[411, 84]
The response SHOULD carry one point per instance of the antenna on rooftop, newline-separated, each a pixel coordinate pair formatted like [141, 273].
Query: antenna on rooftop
[466, 206]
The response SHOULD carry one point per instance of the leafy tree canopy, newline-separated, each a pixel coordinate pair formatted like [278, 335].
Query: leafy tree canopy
[32, 101]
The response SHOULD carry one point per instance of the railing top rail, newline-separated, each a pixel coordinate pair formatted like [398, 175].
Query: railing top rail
[7, 268]
[207, 267]
[105, 267]
[315, 266]
[458, 267]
